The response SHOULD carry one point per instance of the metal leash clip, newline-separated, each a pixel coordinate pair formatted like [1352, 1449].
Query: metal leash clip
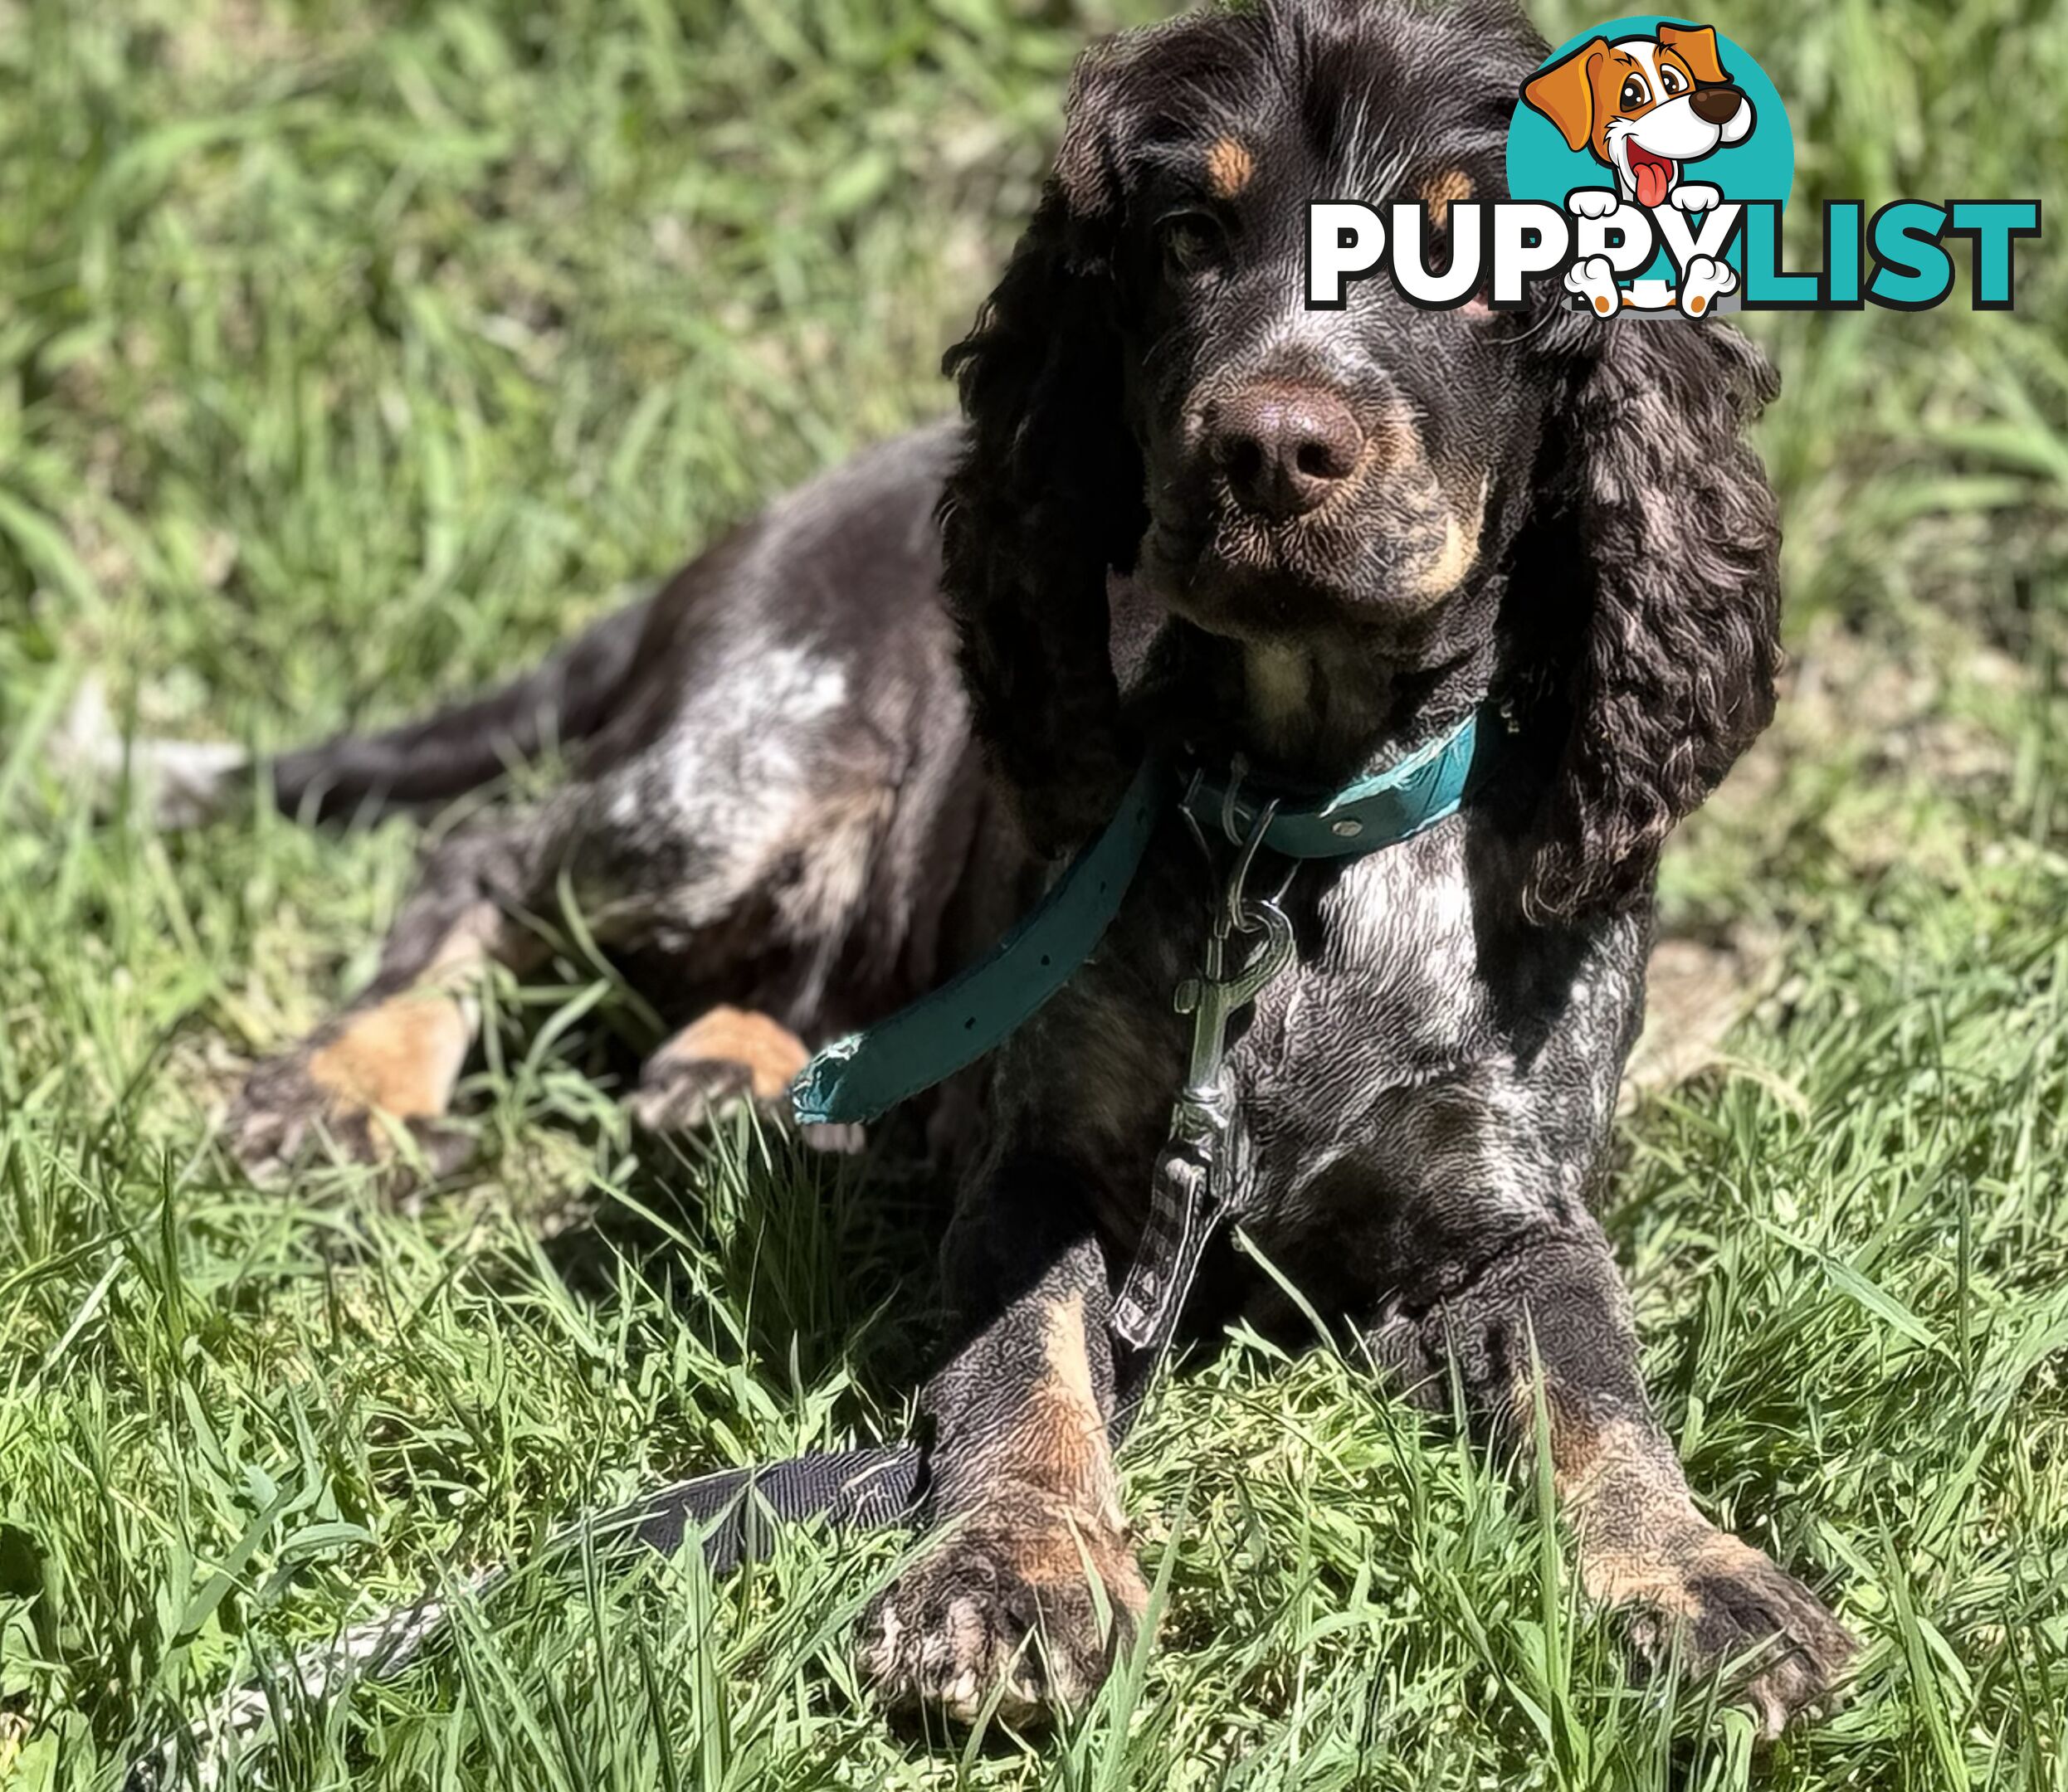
[1183, 1210]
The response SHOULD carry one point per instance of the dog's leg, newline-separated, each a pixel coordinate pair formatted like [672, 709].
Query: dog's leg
[1547, 1329]
[388, 1062]
[725, 1057]
[1033, 1588]
[660, 845]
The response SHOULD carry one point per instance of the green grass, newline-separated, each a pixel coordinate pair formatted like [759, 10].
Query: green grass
[349, 353]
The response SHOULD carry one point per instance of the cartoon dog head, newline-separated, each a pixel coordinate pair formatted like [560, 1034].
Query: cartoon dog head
[1644, 105]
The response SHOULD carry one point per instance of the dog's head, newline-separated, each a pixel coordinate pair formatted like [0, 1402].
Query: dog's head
[1645, 105]
[1148, 392]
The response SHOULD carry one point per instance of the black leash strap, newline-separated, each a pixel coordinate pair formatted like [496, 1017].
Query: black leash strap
[1186, 1193]
[1182, 1217]
[733, 1512]
[737, 1512]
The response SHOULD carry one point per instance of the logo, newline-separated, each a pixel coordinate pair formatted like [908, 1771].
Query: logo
[1643, 128]
[1649, 159]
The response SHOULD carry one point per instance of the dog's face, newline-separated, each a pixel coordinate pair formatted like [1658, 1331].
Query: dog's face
[1310, 474]
[1645, 105]
[1311, 471]
[1527, 499]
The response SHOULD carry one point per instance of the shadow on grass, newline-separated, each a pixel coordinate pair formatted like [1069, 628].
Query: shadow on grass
[802, 1266]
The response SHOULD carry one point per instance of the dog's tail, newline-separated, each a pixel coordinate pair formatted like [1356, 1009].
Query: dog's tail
[418, 765]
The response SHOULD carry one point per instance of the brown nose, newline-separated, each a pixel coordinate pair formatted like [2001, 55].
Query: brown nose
[1716, 105]
[1283, 448]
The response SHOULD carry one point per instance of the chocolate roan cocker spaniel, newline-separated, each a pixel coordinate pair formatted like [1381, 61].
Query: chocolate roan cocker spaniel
[1183, 515]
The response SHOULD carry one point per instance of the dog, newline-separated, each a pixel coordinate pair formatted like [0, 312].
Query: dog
[1645, 108]
[1182, 515]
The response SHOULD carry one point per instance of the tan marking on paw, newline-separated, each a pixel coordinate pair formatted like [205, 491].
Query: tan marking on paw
[771, 1054]
[1076, 1552]
[1056, 1442]
[1063, 1345]
[1004, 1607]
[1624, 1493]
[1692, 1591]
[1230, 167]
[402, 1058]
[1617, 1570]
[1443, 190]
[1065, 1422]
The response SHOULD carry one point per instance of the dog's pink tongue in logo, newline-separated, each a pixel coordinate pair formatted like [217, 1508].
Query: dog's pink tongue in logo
[1653, 176]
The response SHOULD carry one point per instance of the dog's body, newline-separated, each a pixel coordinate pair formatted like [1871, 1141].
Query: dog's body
[776, 809]
[1185, 514]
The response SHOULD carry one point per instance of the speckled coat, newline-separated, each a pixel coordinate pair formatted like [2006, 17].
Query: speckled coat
[1184, 514]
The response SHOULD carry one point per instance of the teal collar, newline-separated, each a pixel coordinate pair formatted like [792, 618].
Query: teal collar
[1366, 813]
[867, 1074]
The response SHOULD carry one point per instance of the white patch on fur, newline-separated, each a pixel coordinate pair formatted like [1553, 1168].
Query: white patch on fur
[741, 787]
[762, 699]
[181, 783]
[1280, 681]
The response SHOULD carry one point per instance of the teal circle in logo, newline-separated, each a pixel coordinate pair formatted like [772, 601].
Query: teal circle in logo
[1761, 166]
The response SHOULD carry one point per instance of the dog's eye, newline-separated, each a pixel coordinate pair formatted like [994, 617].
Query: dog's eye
[1635, 93]
[1669, 80]
[1190, 241]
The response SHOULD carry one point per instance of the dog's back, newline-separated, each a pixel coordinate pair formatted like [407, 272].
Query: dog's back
[805, 669]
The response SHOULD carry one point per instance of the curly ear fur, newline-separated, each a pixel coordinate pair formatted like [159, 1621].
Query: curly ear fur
[1048, 493]
[1679, 596]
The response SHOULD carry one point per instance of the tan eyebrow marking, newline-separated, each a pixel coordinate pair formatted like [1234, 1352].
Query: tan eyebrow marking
[1230, 167]
[1441, 191]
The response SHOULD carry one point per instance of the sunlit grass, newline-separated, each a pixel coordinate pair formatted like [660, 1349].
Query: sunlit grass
[350, 354]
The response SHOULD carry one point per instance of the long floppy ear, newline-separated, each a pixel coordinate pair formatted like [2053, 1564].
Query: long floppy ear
[1678, 604]
[1564, 93]
[1697, 47]
[1049, 491]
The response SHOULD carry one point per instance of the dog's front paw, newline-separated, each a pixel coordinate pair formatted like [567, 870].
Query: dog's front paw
[1696, 195]
[293, 1108]
[1592, 201]
[374, 1077]
[1023, 1609]
[1719, 1606]
[726, 1059]
[677, 1094]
